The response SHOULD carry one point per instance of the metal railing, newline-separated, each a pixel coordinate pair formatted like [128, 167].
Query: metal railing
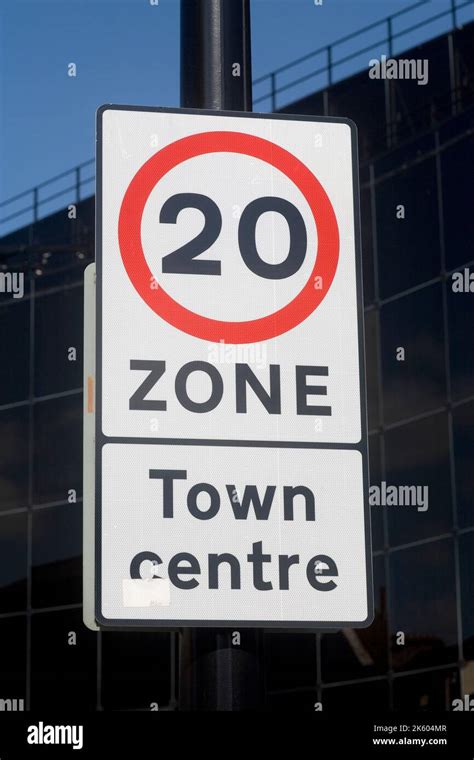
[332, 61]
[73, 189]
[330, 52]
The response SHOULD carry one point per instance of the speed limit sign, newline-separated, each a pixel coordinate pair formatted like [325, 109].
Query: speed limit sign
[231, 439]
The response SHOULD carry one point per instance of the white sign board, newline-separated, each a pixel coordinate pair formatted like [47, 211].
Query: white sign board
[231, 425]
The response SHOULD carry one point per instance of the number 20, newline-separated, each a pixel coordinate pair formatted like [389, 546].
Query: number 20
[184, 260]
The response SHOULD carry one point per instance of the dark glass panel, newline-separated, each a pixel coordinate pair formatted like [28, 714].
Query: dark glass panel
[362, 100]
[361, 652]
[456, 174]
[62, 267]
[64, 245]
[13, 567]
[57, 555]
[408, 248]
[367, 698]
[14, 352]
[58, 448]
[417, 464]
[417, 384]
[426, 692]
[63, 662]
[13, 658]
[423, 606]
[290, 660]
[136, 670]
[464, 56]
[466, 560]
[293, 702]
[461, 343]
[58, 328]
[463, 433]
[14, 425]
[419, 107]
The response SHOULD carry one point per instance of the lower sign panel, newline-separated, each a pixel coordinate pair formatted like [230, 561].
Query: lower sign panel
[230, 535]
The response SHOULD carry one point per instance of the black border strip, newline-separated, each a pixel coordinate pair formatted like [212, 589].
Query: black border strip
[101, 439]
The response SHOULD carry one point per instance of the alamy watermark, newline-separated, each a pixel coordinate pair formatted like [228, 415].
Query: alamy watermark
[463, 282]
[243, 353]
[42, 733]
[12, 705]
[399, 496]
[403, 68]
[12, 282]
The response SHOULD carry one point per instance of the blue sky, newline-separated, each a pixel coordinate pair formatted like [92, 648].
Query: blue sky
[128, 52]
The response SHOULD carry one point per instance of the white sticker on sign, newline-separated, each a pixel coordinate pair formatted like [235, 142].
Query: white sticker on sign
[145, 592]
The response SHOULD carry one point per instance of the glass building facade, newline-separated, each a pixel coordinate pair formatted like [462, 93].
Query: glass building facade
[417, 154]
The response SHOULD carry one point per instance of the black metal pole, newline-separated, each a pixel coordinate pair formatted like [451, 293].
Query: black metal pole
[219, 669]
[215, 55]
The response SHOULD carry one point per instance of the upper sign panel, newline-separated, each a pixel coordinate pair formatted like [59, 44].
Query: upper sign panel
[229, 278]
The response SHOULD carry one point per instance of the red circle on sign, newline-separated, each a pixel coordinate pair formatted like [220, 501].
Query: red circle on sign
[214, 330]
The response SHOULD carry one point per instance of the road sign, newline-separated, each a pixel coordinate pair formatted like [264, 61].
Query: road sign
[231, 439]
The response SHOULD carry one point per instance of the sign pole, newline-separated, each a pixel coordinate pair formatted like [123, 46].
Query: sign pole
[231, 417]
[219, 669]
[216, 72]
